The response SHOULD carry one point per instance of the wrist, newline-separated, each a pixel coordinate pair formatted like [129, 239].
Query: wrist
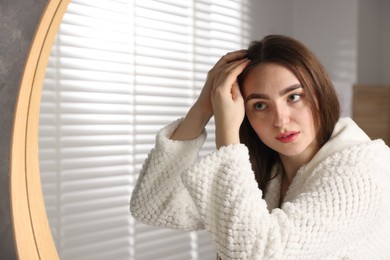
[225, 138]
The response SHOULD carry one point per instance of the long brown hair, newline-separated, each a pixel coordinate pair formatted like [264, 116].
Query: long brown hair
[319, 90]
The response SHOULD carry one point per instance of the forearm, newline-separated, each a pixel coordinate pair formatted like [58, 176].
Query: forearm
[192, 125]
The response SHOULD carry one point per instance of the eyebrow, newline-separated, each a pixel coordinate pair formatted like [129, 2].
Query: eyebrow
[281, 93]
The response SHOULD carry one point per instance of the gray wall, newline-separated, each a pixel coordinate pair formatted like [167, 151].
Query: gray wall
[374, 42]
[18, 21]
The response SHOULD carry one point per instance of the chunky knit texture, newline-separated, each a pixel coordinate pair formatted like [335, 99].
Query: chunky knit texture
[337, 207]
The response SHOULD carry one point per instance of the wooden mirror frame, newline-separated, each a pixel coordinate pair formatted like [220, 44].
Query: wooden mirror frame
[32, 235]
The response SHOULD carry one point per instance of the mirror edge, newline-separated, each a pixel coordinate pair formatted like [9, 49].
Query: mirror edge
[32, 235]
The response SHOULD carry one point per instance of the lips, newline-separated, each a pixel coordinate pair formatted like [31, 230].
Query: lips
[287, 137]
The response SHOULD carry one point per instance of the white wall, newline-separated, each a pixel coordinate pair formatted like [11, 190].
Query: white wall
[271, 17]
[385, 42]
[369, 44]
[330, 29]
[374, 42]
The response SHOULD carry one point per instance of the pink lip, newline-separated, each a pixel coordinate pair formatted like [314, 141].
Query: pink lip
[287, 137]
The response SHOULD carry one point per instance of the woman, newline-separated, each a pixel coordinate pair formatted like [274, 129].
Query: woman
[290, 180]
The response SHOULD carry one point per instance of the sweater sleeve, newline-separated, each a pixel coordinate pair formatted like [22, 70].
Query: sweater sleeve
[338, 205]
[159, 197]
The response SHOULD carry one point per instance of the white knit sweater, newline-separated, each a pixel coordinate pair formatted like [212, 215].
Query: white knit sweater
[337, 206]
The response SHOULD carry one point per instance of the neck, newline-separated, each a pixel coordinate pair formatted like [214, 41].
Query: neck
[290, 168]
[291, 164]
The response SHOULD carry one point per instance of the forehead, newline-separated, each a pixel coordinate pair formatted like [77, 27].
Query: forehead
[266, 77]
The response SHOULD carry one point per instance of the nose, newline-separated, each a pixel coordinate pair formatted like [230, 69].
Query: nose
[281, 116]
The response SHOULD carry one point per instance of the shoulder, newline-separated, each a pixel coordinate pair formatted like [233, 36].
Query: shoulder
[362, 166]
[367, 155]
[355, 172]
[351, 181]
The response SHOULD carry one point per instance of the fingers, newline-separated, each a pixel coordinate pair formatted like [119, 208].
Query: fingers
[228, 76]
[236, 93]
[231, 56]
[235, 55]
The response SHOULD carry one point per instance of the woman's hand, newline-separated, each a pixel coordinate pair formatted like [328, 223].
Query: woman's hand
[203, 102]
[227, 102]
[201, 112]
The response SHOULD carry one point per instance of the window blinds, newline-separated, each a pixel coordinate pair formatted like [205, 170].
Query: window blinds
[119, 71]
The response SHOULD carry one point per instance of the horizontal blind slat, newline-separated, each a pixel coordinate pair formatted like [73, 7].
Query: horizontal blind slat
[119, 72]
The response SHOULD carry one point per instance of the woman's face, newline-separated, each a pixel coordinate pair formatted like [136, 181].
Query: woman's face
[279, 111]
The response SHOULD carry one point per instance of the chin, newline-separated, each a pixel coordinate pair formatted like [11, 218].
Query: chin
[291, 152]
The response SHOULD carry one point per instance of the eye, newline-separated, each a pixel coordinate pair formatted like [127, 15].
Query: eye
[259, 106]
[294, 97]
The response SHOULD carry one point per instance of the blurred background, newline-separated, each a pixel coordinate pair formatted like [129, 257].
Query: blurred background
[120, 70]
[351, 39]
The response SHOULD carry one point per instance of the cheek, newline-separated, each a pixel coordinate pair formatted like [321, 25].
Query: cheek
[307, 117]
[259, 125]
[307, 121]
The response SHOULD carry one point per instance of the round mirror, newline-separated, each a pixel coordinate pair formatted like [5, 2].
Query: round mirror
[86, 124]
[116, 73]
[32, 235]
